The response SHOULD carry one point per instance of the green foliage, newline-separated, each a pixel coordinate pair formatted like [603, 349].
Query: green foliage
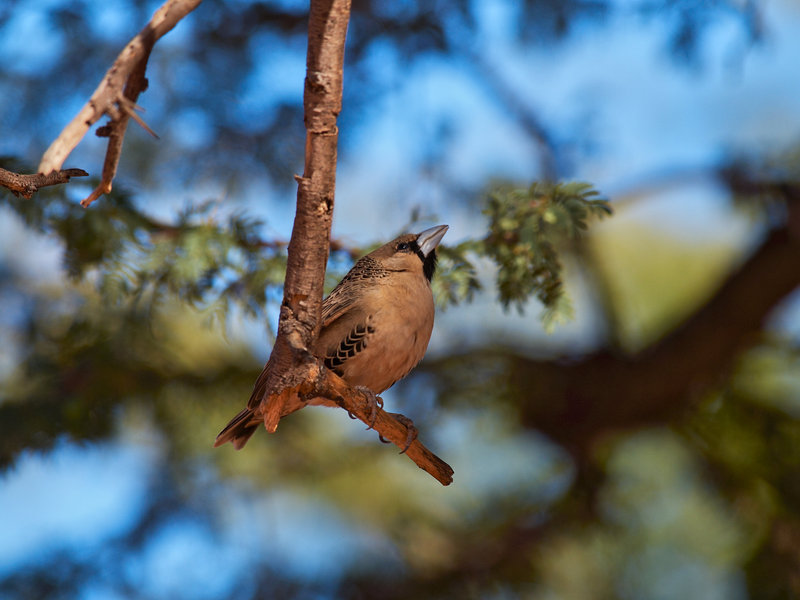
[456, 280]
[86, 363]
[209, 262]
[526, 226]
[529, 230]
[213, 263]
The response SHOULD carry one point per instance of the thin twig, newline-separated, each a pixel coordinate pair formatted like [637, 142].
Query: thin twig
[27, 185]
[130, 109]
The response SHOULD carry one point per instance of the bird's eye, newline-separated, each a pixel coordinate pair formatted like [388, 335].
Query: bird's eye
[403, 246]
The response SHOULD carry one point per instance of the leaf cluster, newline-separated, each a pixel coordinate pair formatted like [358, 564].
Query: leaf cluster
[526, 229]
[456, 280]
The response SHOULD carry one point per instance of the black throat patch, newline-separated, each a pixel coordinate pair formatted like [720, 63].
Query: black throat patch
[428, 262]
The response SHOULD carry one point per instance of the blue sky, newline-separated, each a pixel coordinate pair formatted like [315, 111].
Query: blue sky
[60, 501]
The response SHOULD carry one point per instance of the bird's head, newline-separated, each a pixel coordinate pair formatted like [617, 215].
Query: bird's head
[412, 251]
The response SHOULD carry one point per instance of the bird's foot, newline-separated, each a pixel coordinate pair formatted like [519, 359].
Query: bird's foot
[375, 402]
[410, 428]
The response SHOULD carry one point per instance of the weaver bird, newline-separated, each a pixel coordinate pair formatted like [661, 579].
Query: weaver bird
[376, 324]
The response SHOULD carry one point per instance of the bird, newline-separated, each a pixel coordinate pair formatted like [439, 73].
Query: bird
[376, 325]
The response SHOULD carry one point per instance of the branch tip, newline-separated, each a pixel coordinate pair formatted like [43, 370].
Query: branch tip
[27, 185]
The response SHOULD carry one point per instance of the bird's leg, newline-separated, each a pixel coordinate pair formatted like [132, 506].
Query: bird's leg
[375, 402]
[410, 427]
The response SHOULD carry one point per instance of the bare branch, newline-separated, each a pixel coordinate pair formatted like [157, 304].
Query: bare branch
[130, 109]
[334, 387]
[337, 245]
[580, 402]
[298, 326]
[115, 96]
[27, 185]
[294, 373]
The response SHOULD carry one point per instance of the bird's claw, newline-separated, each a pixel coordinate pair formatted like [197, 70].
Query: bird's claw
[375, 402]
[410, 428]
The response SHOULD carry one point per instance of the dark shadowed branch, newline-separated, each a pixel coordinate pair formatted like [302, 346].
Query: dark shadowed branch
[578, 402]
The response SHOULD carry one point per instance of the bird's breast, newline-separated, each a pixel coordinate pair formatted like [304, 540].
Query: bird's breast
[398, 318]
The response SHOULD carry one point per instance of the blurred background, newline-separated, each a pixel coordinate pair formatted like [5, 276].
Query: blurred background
[646, 448]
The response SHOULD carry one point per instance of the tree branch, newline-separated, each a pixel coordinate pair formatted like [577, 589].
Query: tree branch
[292, 373]
[298, 325]
[575, 403]
[579, 401]
[329, 385]
[116, 96]
[27, 185]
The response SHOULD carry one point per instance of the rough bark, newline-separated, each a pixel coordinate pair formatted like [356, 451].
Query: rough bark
[27, 185]
[308, 247]
[295, 373]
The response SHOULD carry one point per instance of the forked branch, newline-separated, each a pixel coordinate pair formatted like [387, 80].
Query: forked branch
[116, 97]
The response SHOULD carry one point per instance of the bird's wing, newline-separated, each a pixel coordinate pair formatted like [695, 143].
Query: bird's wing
[345, 296]
[340, 300]
[356, 333]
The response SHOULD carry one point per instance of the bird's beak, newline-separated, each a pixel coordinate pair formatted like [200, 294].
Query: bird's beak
[430, 238]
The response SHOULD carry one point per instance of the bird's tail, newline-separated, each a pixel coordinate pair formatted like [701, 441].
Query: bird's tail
[239, 430]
